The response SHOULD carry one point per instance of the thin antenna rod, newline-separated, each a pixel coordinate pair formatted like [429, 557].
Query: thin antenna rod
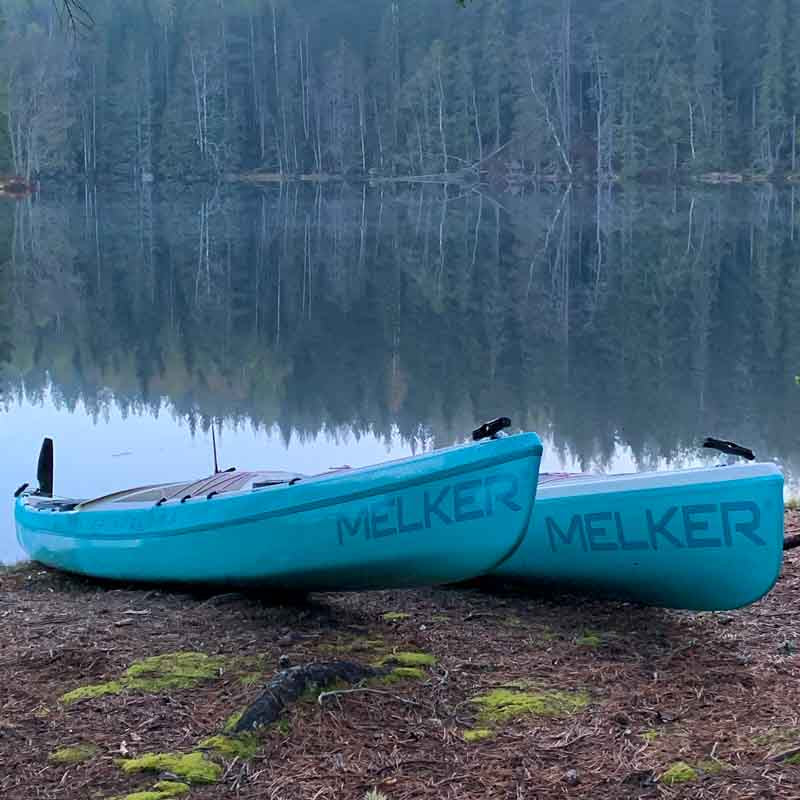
[214, 443]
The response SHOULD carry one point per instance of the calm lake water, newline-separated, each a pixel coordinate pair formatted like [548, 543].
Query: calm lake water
[347, 324]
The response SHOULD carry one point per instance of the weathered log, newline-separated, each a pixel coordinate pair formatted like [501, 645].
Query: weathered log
[289, 684]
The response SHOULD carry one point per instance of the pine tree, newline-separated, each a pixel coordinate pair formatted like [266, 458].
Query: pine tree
[771, 137]
[706, 100]
[5, 144]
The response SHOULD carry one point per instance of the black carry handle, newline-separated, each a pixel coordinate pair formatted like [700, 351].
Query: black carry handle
[730, 448]
[489, 430]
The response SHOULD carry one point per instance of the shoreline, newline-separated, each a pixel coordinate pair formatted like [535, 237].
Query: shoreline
[469, 181]
[112, 691]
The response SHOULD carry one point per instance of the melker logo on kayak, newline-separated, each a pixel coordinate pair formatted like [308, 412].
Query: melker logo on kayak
[432, 508]
[706, 525]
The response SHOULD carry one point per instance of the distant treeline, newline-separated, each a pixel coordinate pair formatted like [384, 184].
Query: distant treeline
[551, 88]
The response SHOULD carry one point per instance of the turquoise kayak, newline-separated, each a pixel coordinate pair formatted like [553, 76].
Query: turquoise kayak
[700, 539]
[440, 517]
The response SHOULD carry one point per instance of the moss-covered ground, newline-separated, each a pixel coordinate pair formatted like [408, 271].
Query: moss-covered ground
[488, 693]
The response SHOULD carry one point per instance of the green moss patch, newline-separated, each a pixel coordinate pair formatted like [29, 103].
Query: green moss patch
[154, 674]
[233, 721]
[399, 674]
[72, 755]
[395, 616]
[477, 735]
[409, 659]
[679, 772]
[163, 790]
[91, 691]
[192, 767]
[502, 705]
[590, 639]
[251, 678]
[172, 671]
[650, 735]
[795, 759]
[778, 737]
[243, 745]
[712, 766]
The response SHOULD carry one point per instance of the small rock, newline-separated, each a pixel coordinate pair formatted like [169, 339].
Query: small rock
[621, 719]
[571, 777]
[284, 662]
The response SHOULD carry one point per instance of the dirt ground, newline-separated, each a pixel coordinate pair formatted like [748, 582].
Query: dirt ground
[718, 694]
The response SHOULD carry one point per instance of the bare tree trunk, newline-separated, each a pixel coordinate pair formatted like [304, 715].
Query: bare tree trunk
[197, 99]
[363, 229]
[440, 87]
[600, 109]
[395, 72]
[477, 232]
[303, 88]
[548, 118]
[419, 141]
[477, 124]
[378, 131]
[362, 128]
[566, 73]
[279, 99]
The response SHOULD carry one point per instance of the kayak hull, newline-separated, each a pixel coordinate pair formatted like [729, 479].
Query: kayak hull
[705, 539]
[436, 518]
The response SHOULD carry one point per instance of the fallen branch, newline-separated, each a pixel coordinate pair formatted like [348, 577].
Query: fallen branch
[290, 683]
[782, 756]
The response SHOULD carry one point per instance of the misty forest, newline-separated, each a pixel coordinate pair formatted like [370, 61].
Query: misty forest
[543, 88]
[607, 299]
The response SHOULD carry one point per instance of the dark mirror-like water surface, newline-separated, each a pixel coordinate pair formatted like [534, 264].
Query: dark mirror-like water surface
[330, 324]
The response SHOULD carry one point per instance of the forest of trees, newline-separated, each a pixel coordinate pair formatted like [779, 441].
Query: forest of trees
[551, 88]
[600, 317]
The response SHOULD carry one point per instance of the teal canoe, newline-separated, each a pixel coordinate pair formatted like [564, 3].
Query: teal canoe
[440, 517]
[699, 539]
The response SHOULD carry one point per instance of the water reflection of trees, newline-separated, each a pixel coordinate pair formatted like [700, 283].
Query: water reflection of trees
[645, 317]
